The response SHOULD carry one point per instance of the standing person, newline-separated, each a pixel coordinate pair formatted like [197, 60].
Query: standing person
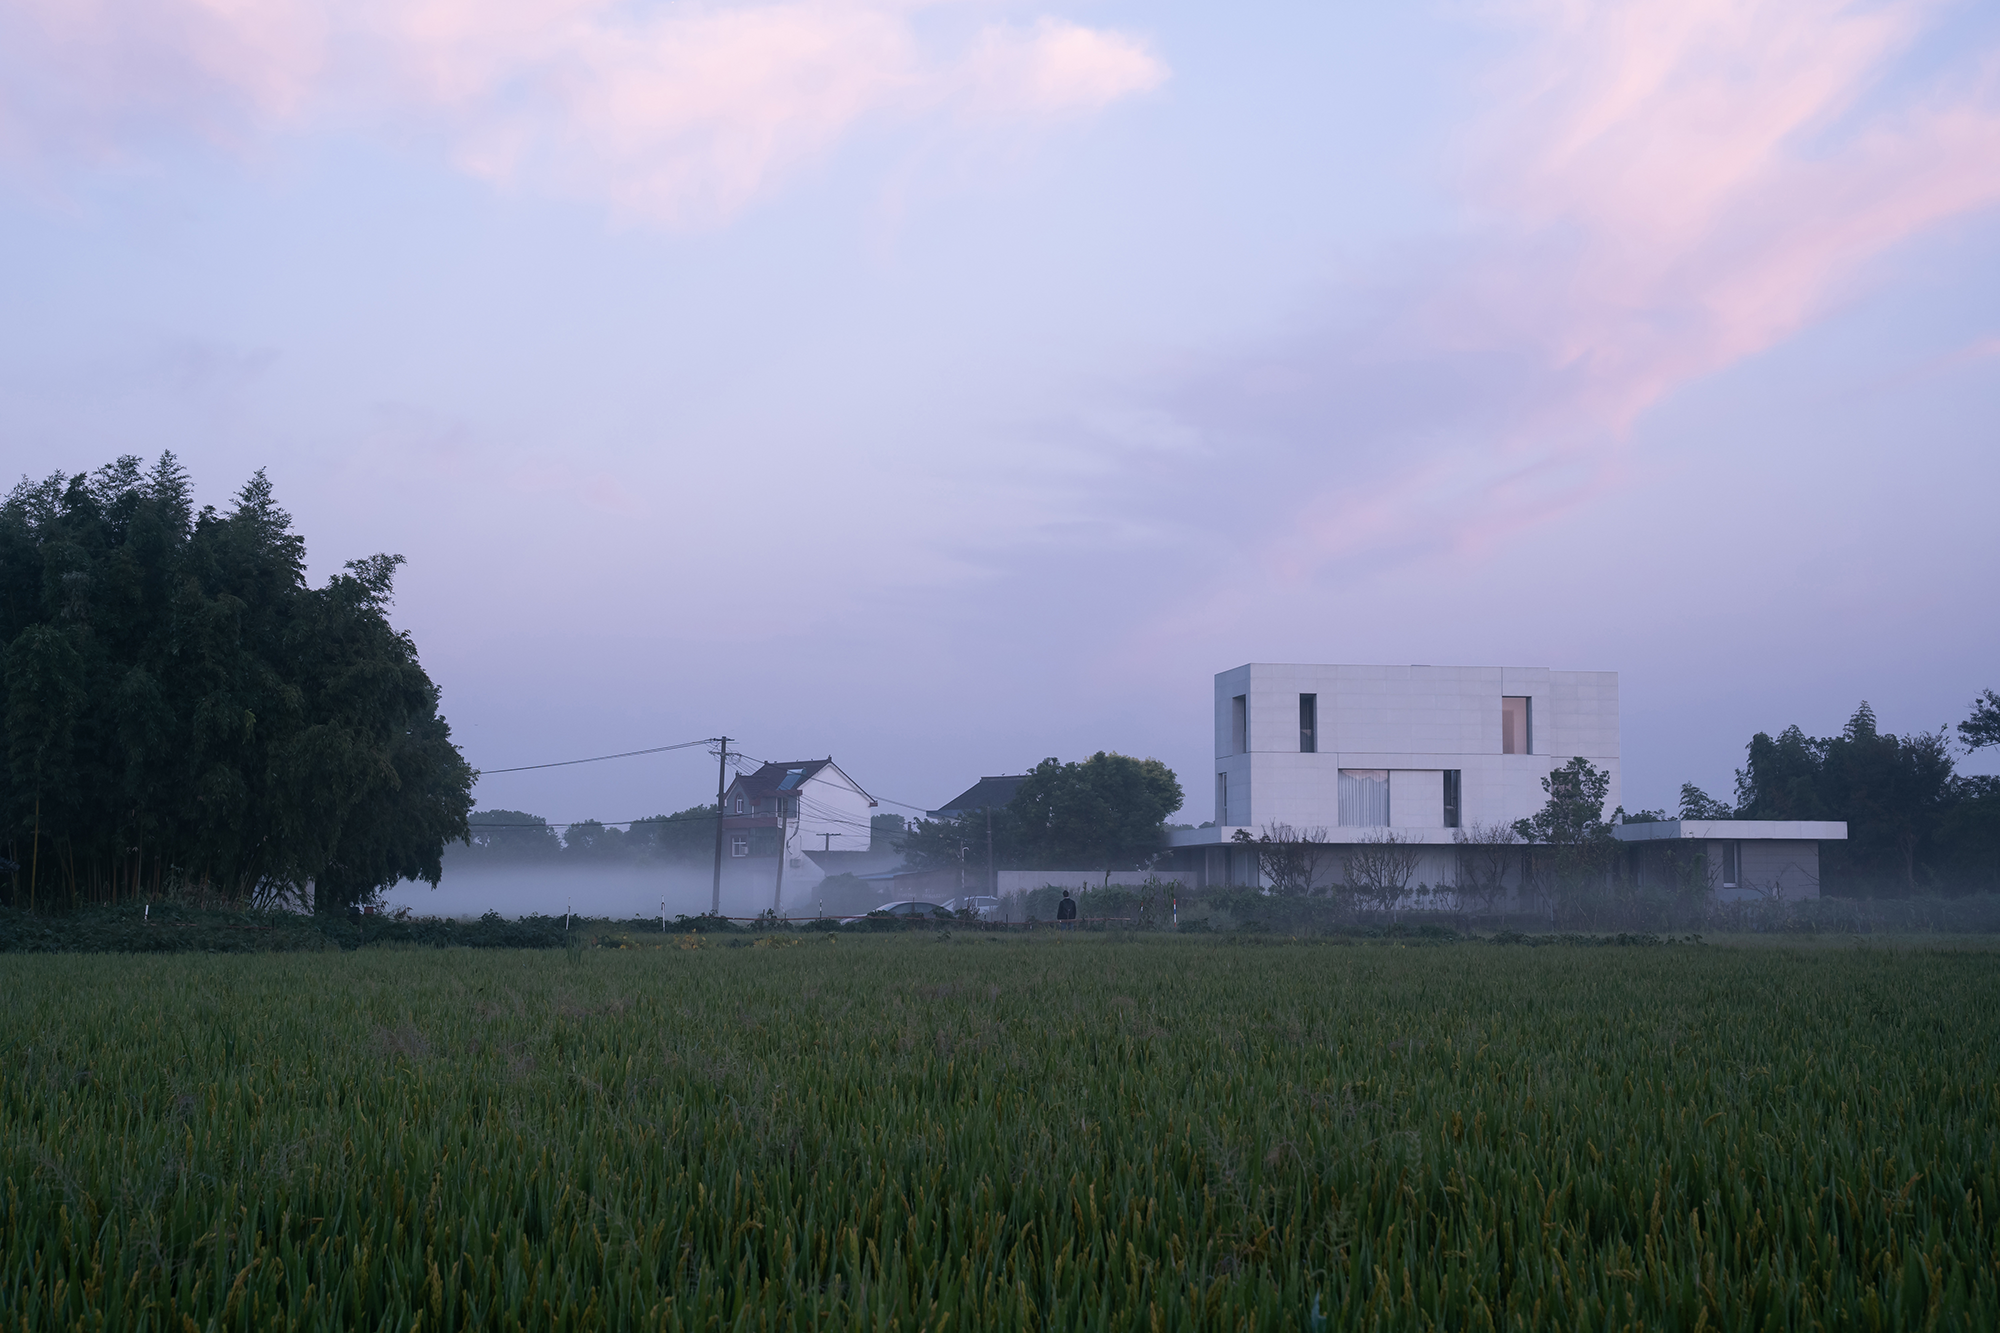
[1066, 912]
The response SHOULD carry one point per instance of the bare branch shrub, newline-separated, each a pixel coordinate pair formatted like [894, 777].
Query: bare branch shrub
[1378, 870]
[1485, 853]
[1288, 857]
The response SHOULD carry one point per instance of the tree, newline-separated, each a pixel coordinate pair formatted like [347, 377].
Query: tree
[185, 710]
[1983, 727]
[588, 840]
[1573, 844]
[1106, 812]
[1781, 778]
[1288, 857]
[1698, 804]
[510, 836]
[1573, 815]
[1894, 792]
[685, 837]
[1486, 852]
[1376, 872]
[946, 844]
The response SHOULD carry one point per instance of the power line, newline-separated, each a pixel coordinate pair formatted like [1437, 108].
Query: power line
[476, 824]
[600, 758]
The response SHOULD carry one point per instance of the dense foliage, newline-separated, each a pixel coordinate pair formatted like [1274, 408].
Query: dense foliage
[1039, 1133]
[184, 713]
[1106, 812]
[1912, 823]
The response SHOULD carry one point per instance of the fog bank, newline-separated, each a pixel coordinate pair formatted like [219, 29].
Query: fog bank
[612, 891]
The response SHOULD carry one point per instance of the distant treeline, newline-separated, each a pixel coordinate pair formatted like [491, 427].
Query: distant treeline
[1914, 825]
[515, 837]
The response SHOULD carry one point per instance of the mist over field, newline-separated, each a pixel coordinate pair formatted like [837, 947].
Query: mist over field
[617, 892]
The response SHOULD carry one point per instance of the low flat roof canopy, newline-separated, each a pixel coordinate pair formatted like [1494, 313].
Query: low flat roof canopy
[1785, 830]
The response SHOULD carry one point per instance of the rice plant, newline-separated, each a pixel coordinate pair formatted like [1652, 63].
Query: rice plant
[984, 1132]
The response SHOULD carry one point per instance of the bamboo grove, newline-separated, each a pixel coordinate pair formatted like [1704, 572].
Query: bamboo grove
[185, 714]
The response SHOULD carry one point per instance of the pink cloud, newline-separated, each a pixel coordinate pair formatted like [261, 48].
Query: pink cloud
[674, 113]
[1664, 189]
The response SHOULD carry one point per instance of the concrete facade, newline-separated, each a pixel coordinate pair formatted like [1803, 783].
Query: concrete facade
[1736, 860]
[1413, 723]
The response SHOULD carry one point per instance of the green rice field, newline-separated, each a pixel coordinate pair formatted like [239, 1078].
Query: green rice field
[1029, 1132]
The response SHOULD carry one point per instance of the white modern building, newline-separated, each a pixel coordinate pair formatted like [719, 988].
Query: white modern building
[1422, 748]
[1341, 755]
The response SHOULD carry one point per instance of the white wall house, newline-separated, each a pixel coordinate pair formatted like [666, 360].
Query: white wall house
[773, 816]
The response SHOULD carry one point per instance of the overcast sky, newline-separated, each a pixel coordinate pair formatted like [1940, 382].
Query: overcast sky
[943, 386]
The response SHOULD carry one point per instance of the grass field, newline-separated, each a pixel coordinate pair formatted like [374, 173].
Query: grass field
[928, 1133]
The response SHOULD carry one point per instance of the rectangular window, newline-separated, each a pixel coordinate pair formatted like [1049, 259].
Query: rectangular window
[1239, 724]
[1452, 788]
[1222, 800]
[1364, 797]
[739, 805]
[1308, 724]
[1516, 734]
[739, 845]
[1732, 857]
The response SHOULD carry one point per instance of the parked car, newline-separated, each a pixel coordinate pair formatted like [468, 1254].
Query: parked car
[907, 909]
[984, 905]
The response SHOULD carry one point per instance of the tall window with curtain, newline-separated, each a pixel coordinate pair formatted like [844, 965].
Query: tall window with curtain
[1364, 797]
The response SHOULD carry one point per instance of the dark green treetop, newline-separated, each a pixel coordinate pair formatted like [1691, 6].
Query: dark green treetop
[182, 710]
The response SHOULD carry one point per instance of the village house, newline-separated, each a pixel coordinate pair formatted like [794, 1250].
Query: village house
[775, 815]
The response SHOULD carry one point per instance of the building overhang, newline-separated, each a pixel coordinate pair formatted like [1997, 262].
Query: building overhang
[1774, 830]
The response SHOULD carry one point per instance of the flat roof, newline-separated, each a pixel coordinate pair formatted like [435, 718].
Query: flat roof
[1784, 830]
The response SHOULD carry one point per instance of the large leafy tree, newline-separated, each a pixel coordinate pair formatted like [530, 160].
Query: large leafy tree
[1895, 792]
[1102, 813]
[1106, 812]
[183, 710]
[1573, 847]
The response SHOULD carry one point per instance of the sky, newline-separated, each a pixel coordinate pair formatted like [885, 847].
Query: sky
[942, 385]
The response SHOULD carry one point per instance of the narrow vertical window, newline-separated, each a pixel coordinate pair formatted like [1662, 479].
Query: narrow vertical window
[1308, 724]
[1222, 800]
[1515, 722]
[1451, 798]
[1731, 867]
[1239, 724]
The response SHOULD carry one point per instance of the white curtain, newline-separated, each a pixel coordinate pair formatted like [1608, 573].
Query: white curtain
[1364, 797]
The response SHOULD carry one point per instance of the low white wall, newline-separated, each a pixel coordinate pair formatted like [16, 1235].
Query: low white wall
[1021, 881]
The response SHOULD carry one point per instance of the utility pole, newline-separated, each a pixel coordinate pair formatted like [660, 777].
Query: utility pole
[778, 893]
[721, 781]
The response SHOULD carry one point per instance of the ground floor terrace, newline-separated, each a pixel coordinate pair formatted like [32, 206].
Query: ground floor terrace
[1729, 860]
